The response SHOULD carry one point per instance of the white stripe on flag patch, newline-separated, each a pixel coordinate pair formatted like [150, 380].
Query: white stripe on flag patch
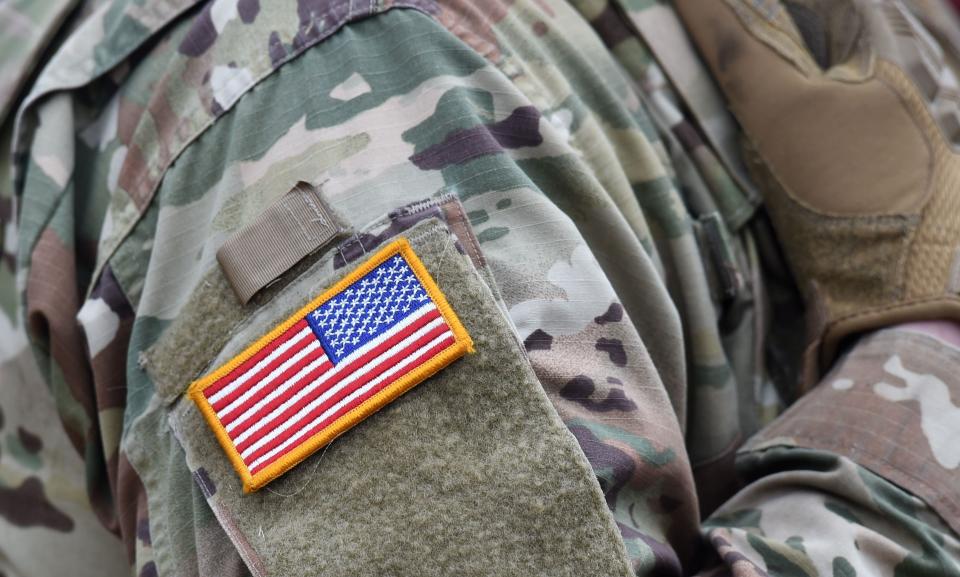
[310, 347]
[243, 378]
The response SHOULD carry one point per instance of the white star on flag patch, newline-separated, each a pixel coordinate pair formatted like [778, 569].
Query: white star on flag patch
[368, 339]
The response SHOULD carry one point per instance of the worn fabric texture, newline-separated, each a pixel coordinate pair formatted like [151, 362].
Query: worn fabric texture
[467, 442]
[604, 200]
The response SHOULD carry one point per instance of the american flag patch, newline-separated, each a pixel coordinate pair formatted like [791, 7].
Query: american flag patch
[358, 346]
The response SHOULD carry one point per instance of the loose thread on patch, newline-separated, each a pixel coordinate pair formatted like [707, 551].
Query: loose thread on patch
[313, 473]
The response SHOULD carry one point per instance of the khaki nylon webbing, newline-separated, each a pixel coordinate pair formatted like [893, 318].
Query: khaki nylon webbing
[290, 229]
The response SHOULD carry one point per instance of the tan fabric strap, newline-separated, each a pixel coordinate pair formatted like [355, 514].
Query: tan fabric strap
[293, 227]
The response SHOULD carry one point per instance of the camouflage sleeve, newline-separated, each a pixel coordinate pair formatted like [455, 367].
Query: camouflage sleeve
[859, 476]
[537, 133]
[612, 233]
[808, 512]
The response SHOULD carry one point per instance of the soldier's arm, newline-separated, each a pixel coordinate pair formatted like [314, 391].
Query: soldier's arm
[845, 109]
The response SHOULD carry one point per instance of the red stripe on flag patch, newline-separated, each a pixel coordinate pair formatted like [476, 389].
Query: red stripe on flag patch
[359, 345]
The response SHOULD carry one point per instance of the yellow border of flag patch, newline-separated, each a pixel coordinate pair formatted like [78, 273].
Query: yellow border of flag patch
[462, 344]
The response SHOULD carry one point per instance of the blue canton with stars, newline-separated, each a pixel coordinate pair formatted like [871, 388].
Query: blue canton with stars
[369, 307]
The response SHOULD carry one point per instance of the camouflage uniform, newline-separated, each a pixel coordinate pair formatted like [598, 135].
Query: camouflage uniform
[607, 238]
